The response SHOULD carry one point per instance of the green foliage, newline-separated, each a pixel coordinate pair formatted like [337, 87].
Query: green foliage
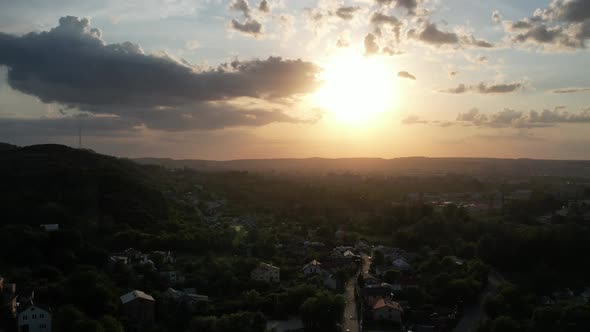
[322, 312]
[240, 321]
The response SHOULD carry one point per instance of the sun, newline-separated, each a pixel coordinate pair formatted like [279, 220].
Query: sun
[356, 88]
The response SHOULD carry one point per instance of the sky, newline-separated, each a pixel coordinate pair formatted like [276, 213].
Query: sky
[242, 79]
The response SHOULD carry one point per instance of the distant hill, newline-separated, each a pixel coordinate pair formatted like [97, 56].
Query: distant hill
[57, 184]
[6, 146]
[400, 166]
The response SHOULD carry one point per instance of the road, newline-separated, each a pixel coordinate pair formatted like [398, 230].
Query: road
[474, 314]
[348, 323]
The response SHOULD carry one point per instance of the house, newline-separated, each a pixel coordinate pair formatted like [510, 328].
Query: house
[371, 280]
[118, 259]
[405, 281]
[387, 310]
[50, 227]
[362, 246]
[138, 308]
[133, 256]
[33, 318]
[266, 272]
[400, 264]
[313, 244]
[331, 282]
[314, 267]
[172, 277]
[373, 293]
[456, 260]
[168, 256]
[585, 295]
[186, 297]
[563, 295]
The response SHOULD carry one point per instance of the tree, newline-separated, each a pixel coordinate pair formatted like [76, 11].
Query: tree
[111, 324]
[378, 258]
[322, 312]
[576, 318]
[391, 276]
[66, 317]
[506, 324]
[546, 319]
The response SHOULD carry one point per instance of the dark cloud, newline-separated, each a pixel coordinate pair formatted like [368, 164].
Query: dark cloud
[264, 7]
[249, 27]
[409, 5]
[405, 74]
[346, 13]
[430, 34]
[485, 88]
[569, 10]
[73, 66]
[571, 90]
[509, 118]
[379, 20]
[68, 126]
[564, 25]
[371, 46]
[518, 119]
[241, 6]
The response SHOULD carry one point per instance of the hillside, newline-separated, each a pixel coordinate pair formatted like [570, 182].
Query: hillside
[399, 166]
[56, 184]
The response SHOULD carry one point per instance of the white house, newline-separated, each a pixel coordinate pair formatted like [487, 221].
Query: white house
[266, 272]
[32, 318]
[348, 254]
[387, 310]
[314, 267]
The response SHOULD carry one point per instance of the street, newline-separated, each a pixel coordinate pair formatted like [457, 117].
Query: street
[476, 313]
[348, 323]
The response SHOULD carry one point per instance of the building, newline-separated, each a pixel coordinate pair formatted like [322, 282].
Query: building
[373, 293]
[138, 308]
[168, 257]
[314, 267]
[187, 298]
[33, 318]
[50, 227]
[401, 265]
[172, 277]
[331, 282]
[266, 272]
[119, 259]
[387, 310]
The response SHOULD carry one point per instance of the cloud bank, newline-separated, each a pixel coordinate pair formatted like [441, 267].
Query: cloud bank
[72, 65]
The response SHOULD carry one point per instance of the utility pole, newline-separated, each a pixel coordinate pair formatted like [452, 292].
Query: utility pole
[79, 136]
